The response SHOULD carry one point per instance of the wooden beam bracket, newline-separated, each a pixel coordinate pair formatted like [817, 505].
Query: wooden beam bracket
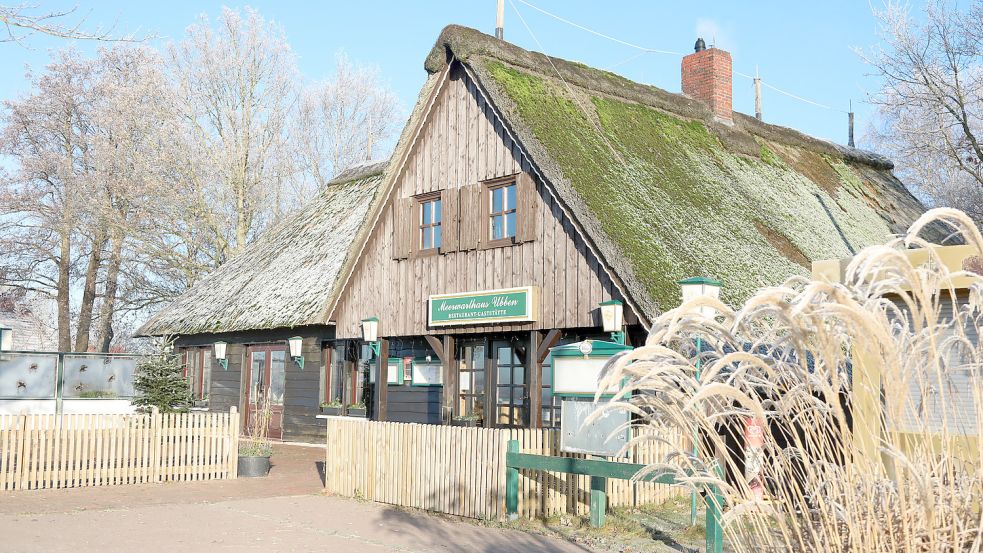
[544, 348]
[436, 346]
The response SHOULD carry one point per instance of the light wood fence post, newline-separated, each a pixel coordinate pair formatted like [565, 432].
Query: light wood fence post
[20, 476]
[156, 443]
[234, 444]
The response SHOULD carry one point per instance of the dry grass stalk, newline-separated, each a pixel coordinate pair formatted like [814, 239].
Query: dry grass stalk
[797, 356]
[256, 441]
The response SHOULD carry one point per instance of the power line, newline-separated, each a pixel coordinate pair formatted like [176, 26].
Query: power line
[592, 31]
[652, 50]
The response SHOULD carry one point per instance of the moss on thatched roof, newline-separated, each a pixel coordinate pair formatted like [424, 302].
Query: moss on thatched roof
[288, 276]
[665, 191]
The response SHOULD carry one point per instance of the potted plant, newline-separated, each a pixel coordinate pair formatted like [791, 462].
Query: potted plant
[471, 420]
[356, 410]
[333, 407]
[256, 447]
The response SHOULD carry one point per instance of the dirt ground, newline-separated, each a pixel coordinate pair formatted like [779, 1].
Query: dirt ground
[286, 511]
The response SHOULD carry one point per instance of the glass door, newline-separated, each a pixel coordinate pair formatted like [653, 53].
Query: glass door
[266, 385]
[471, 402]
[511, 394]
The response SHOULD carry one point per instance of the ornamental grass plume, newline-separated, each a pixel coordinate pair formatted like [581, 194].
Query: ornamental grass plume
[869, 394]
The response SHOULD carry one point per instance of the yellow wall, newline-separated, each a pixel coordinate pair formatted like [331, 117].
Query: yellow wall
[867, 416]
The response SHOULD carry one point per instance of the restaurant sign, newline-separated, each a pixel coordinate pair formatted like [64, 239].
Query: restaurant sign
[487, 306]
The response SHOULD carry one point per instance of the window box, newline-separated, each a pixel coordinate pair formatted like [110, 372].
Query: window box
[356, 411]
[332, 411]
[467, 422]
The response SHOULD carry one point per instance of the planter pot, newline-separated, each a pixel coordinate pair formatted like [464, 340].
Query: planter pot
[251, 466]
[466, 423]
[335, 411]
[355, 412]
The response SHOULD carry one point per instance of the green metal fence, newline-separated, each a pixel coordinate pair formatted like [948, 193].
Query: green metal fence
[600, 471]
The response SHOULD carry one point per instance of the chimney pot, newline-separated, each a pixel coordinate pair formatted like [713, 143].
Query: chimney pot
[707, 77]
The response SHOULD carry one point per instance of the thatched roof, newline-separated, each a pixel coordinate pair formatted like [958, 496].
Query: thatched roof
[288, 276]
[664, 191]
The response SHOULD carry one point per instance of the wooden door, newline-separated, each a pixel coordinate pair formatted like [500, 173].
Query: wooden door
[266, 382]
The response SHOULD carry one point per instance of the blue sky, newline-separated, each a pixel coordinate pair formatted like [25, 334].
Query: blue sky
[802, 47]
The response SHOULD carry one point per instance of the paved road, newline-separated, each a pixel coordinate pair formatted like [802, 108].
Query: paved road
[283, 512]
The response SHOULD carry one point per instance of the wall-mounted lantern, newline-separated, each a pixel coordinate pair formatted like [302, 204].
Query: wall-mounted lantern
[370, 333]
[296, 343]
[220, 355]
[613, 319]
[6, 338]
[695, 287]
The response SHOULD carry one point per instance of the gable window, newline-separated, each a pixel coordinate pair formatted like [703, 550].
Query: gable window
[429, 222]
[502, 216]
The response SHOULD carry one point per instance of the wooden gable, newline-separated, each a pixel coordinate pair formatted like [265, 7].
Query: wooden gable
[461, 147]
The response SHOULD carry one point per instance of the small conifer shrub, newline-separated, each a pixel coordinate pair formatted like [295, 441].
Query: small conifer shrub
[160, 382]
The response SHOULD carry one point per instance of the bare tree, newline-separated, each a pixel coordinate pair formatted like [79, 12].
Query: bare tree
[136, 131]
[340, 121]
[47, 134]
[87, 145]
[133, 175]
[931, 104]
[23, 20]
[236, 86]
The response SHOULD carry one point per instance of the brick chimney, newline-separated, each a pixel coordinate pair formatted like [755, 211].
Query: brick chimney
[707, 77]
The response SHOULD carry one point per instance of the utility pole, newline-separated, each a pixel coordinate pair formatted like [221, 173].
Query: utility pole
[849, 139]
[500, 21]
[757, 94]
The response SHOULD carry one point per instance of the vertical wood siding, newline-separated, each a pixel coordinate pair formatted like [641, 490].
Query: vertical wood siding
[461, 145]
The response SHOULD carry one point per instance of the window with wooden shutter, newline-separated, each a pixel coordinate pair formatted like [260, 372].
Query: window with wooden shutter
[508, 211]
[528, 218]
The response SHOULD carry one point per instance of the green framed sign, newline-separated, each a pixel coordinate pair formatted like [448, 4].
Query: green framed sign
[482, 307]
[577, 367]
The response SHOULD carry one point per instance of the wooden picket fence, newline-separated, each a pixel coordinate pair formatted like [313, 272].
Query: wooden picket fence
[69, 451]
[461, 471]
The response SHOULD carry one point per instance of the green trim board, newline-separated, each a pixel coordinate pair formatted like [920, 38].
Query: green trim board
[483, 307]
[427, 373]
[581, 368]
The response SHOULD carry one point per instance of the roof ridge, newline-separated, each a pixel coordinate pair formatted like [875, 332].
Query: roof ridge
[360, 171]
[463, 43]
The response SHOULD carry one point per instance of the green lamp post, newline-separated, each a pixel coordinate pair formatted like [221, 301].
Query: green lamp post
[692, 288]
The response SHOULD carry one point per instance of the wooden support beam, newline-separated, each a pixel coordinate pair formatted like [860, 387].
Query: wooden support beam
[552, 337]
[450, 373]
[382, 381]
[436, 346]
[534, 383]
